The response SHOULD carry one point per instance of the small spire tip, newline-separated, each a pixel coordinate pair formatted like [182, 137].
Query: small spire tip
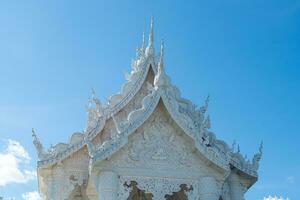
[151, 32]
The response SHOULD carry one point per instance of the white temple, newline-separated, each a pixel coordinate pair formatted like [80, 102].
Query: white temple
[146, 143]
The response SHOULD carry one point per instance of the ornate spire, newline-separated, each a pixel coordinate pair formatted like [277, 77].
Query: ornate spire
[203, 109]
[150, 48]
[151, 33]
[161, 78]
[33, 133]
[261, 146]
[140, 52]
[143, 41]
[207, 101]
[257, 157]
[95, 111]
[38, 145]
[161, 56]
[94, 101]
[36, 140]
[93, 93]
[161, 59]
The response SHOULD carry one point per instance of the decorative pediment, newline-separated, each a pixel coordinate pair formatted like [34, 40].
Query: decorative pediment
[191, 120]
[179, 109]
[159, 142]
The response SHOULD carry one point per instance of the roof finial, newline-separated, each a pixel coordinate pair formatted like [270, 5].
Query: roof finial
[38, 145]
[257, 157]
[203, 108]
[161, 56]
[261, 146]
[151, 32]
[143, 41]
[33, 132]
[207, 100]
[93, 93]
[161, 79]
[150, 48]
[34, 136]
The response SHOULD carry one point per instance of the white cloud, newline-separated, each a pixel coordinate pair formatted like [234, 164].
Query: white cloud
[16, 149]
[275, 198]
[31, 196]
[14, 162]
[290, 179]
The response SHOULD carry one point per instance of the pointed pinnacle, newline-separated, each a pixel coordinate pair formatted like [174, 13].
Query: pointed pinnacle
[207, 99]
[33, 132]
[143, 41]
[261, 147]
[151, 32]
[93, 92]
[162, 50]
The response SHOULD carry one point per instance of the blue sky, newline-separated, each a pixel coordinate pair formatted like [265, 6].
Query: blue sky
[245, 54]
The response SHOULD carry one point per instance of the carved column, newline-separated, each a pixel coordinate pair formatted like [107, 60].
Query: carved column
[237, 189]
[107, 186]
[51, 181]
[58, 180]
[208, 189]
[46, 188]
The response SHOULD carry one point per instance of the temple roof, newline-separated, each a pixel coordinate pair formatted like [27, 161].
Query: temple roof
[194, 121]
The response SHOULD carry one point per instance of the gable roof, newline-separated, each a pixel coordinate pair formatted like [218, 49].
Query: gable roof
[194, 122]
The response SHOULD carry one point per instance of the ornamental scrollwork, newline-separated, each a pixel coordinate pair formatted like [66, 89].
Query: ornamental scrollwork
[159, 188]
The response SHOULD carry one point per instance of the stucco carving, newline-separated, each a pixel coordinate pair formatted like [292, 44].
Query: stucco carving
[133, 122]
[256, 158]
[157, 143]
[160, 188]
[95, 113]
[42, 155]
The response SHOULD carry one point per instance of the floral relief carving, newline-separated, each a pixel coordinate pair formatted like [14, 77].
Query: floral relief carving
[159, 188]
[157, 144]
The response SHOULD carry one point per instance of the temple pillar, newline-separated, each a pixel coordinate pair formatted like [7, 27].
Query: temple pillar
[208, 189]
[107, 186]
[237, 189]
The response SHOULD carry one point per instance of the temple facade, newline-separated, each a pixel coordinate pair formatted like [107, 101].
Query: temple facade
[145, 143]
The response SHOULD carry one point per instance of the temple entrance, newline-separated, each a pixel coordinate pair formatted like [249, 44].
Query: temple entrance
[138, 194]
